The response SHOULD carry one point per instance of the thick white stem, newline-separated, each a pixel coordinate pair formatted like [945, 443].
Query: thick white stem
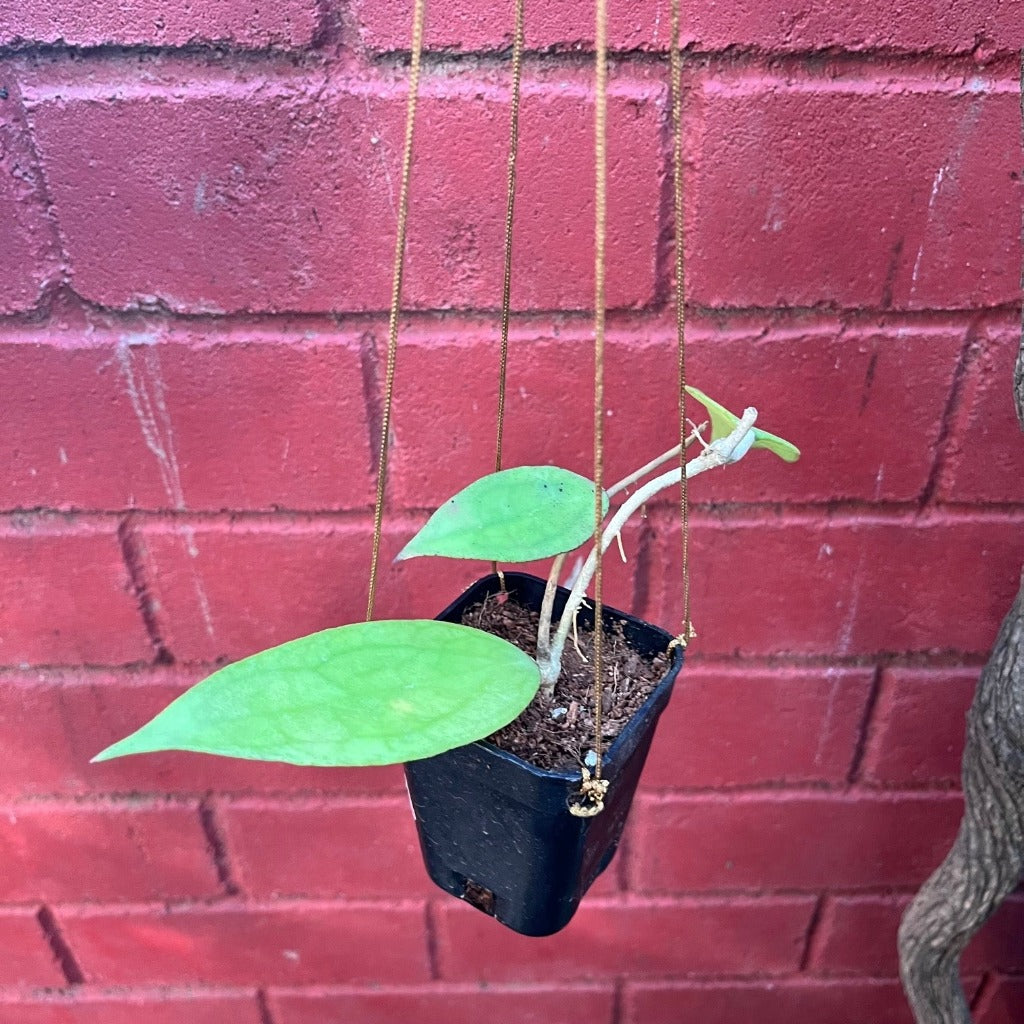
[718, 453]
[544, 627]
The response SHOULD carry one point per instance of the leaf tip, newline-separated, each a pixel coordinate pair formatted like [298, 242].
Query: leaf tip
[785, 450]
[409, 551]
[134, 743]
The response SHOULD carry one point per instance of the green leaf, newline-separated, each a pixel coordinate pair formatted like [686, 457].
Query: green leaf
[786, 450]
[516, 515]
[366, 694]
[723, 423]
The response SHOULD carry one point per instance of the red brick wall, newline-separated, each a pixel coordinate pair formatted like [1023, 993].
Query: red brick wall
[196, 215]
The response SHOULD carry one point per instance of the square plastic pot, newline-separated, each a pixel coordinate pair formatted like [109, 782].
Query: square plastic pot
[496, 831]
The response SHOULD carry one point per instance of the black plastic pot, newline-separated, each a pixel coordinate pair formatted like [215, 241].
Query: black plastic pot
[496, 831]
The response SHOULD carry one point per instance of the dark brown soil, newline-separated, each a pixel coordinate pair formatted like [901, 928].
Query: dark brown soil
[561, 741]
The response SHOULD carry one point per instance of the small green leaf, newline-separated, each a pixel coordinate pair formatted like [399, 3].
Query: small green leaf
[515, 515]
[366, 694]
[786, 450]
[723, 423]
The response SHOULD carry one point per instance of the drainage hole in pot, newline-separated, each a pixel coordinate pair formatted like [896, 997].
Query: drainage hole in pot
[479, 897]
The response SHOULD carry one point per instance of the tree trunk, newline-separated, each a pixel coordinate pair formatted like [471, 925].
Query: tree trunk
[984, 865]
[985, 862]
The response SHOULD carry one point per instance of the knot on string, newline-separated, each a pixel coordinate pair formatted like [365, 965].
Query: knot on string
[589, 801]
[688, 634]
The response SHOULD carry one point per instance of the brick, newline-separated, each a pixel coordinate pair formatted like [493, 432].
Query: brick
[251, 585]
[75, 440]
[917, 735]
[752, 936]
[932, 27]
[27, 237]
[83, 852]
[356, 848]
[925, 169]
[130, 1007]
[65, 596]
[1006, 1003]
[858, 936]
[280, 217]
[448, 1004]
[731, 726]
[27, 957]
[284, 944]
[239, 23]
[825, 1002]
[229, 591]
[51, 724]
[266, 420]
[985, 458]
[788, 840]
[881, 584]
[872, 379]
[148, 419]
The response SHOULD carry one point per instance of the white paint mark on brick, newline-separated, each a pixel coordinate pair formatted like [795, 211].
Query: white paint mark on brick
[947, 173]
[936, 185]
[199, 198]
[834, 678]
[139, 362]
[844, 641]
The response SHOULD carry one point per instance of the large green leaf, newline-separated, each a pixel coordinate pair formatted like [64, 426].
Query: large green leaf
[371, 693]
[515, 515]
[723, 423]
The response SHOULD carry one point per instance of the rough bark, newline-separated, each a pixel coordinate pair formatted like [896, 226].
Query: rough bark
[985, 862]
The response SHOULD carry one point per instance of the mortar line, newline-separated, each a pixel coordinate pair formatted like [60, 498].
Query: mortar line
[59, 947]
[838, 512]
[865, 726]
[618, 1015]
[263, 1007]
[811, 940]
[951, 411]
[216, 844]
[432, 941]
[133, 556]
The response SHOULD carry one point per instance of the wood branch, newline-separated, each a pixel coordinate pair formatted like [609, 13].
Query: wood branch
[985, 863]
[1018, 373]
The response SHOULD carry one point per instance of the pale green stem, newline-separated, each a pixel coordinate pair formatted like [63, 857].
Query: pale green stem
[544, 628]
[718, 453]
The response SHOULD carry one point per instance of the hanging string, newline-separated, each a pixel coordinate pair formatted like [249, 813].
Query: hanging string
[506, 285]
[676, 67]
[600, 231]
[590, 799]
[396, 295]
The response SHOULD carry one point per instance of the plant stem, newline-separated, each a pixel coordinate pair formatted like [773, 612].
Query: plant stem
[653, 464]
[544, 628]
[718, 453]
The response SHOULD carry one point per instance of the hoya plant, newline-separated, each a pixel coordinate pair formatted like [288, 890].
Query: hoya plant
[389, 691]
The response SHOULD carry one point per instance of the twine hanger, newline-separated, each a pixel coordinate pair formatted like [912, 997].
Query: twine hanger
[593, 788]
